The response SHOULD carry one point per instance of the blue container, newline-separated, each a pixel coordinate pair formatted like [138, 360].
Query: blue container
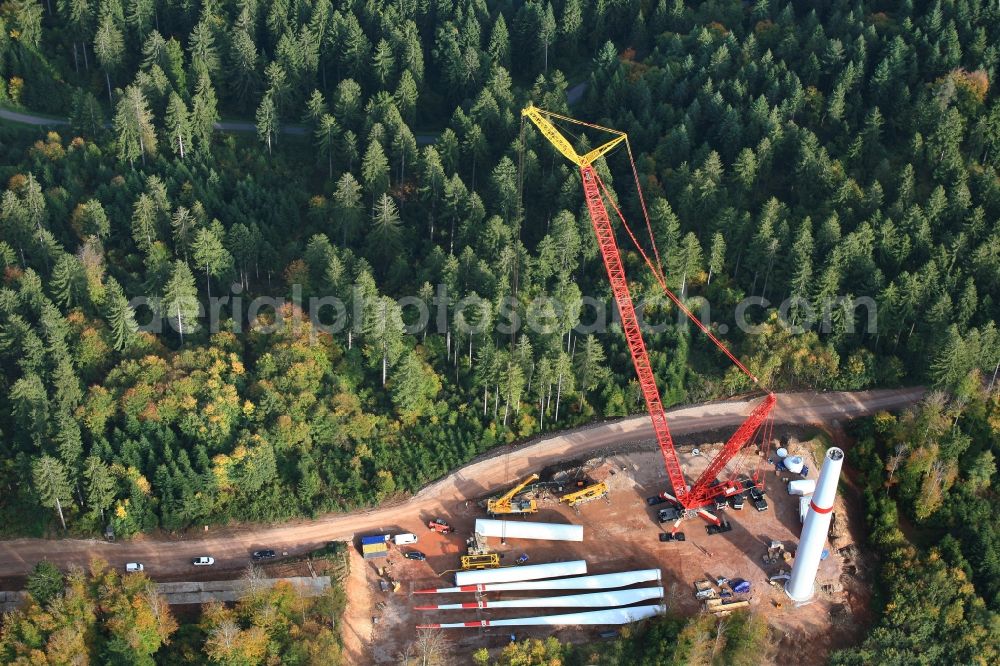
[371, 540]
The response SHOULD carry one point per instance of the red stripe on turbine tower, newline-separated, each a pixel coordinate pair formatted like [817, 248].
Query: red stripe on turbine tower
[819, 510]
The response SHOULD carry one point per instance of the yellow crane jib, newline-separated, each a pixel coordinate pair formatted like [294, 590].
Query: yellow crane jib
[562, 144]
[506, 504]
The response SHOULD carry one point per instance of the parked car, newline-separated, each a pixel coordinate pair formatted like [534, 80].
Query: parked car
[404, 539]
[414, 555]
[264, 554]
[722, 527]
[737, 500]
[760, 503]
[666, 536]
[669, 515]
[134, 566]
[203, 561]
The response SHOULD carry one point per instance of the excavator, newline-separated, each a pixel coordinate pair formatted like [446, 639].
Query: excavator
[506, 504]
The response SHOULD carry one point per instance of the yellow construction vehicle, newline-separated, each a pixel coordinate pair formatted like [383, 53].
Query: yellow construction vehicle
[506, 504]
[592, 492]
[487, 561]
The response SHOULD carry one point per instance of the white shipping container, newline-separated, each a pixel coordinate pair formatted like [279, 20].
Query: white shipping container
[530, 572]
[511, 529]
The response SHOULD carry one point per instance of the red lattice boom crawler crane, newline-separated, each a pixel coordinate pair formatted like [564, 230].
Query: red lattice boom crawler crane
[706, 488]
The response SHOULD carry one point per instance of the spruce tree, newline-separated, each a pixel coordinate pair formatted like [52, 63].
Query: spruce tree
[51, 484]
[179, 304]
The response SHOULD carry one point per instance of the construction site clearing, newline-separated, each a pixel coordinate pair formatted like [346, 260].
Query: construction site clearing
[740, 567]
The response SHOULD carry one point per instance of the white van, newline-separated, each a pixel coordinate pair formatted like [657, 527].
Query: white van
[133, 566]
[404, 539]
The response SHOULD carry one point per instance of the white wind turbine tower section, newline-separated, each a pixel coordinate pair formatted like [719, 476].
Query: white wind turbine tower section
[801, 586]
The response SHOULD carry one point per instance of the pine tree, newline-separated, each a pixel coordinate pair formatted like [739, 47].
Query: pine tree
[547, 31]
[204, 113]
[315, 109]
[406, 95]
[119, 316]
[178, 125]
[801, 259]
[589, 365]
[179, 304]
[717, 255]
[327, 138]
[383, 329]
[404, 149]
[88, 116]
[267, 121]
[68, 283]
[375, 170]
[133, 125]
[29, 404]
[69, 440]
[201, 47]
[690, 262]
[383, 63]
[499, 45]
[99, 485]
[383, 238]
[415, 386]
[109, 47]
[347, 202]
[183, 223]
[209, 253]
[51, 484]
[242, 66]
[139, 16]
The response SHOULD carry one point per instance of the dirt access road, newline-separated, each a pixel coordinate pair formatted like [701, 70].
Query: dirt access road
[166, 558]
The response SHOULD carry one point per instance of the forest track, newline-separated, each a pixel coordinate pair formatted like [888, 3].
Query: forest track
[170, 557]
[28, 118]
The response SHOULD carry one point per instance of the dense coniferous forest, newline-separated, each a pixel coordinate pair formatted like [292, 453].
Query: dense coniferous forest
[806, 154]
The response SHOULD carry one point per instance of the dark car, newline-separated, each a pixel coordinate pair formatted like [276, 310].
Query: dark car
[677, 536]
[724, 526]
[760, 503]
[414, 555]
[655, 499]
[264, 554]
[669, 515]
[737, 500]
